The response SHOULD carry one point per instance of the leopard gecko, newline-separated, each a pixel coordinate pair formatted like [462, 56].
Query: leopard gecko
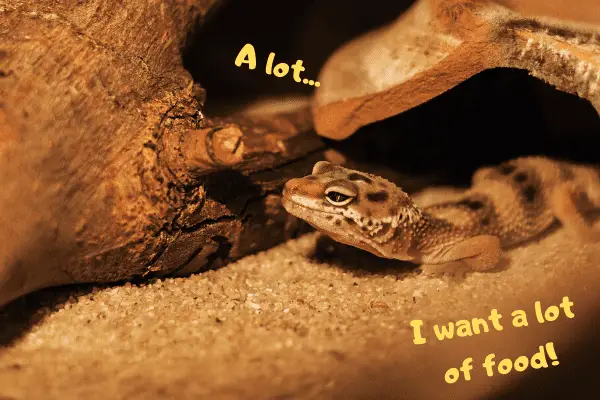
[506, 205]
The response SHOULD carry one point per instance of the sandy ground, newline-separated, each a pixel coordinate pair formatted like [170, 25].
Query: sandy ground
[306, 320]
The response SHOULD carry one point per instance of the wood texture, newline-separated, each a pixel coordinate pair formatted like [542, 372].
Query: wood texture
[438, 44]
[109, 170]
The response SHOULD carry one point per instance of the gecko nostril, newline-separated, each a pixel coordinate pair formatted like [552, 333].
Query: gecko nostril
[291, 187]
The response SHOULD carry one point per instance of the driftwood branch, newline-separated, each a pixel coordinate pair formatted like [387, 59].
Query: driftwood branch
[109, 170]
[438, 44]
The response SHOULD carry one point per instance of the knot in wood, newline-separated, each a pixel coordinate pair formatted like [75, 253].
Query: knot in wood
[212, 148]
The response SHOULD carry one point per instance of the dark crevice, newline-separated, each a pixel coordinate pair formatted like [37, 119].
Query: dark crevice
[244, 214]
[172, 236]
[221, 254]
[497, 115]
[309, 30]
[207, 222]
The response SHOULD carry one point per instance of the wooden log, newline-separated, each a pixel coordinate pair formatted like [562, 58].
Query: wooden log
[109, 168]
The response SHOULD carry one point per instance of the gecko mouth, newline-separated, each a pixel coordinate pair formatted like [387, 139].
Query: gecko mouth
[290, 204]
[300, 212]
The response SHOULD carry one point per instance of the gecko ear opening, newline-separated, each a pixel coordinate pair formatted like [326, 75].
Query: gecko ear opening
[322, 167]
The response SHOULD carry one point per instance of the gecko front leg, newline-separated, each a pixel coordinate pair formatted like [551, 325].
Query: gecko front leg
[479, 253]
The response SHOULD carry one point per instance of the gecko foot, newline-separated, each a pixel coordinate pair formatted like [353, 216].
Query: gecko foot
[487, 251]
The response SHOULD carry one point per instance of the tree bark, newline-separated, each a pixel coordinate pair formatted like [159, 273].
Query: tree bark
[108, 169]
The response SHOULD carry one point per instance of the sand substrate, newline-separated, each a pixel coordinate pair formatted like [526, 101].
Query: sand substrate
[308, 320]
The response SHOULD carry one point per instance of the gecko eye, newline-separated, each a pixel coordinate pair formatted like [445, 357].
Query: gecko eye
[339, 196]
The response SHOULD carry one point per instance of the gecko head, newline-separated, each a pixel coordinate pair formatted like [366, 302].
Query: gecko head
[352, 207]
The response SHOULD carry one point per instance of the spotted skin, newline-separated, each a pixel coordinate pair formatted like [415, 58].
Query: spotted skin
[506, 205]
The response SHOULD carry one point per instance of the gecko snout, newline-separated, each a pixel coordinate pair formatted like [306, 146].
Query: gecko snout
[291, 187]
[302, 187]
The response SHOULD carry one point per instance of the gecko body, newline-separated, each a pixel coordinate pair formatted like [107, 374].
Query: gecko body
[506, 205]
